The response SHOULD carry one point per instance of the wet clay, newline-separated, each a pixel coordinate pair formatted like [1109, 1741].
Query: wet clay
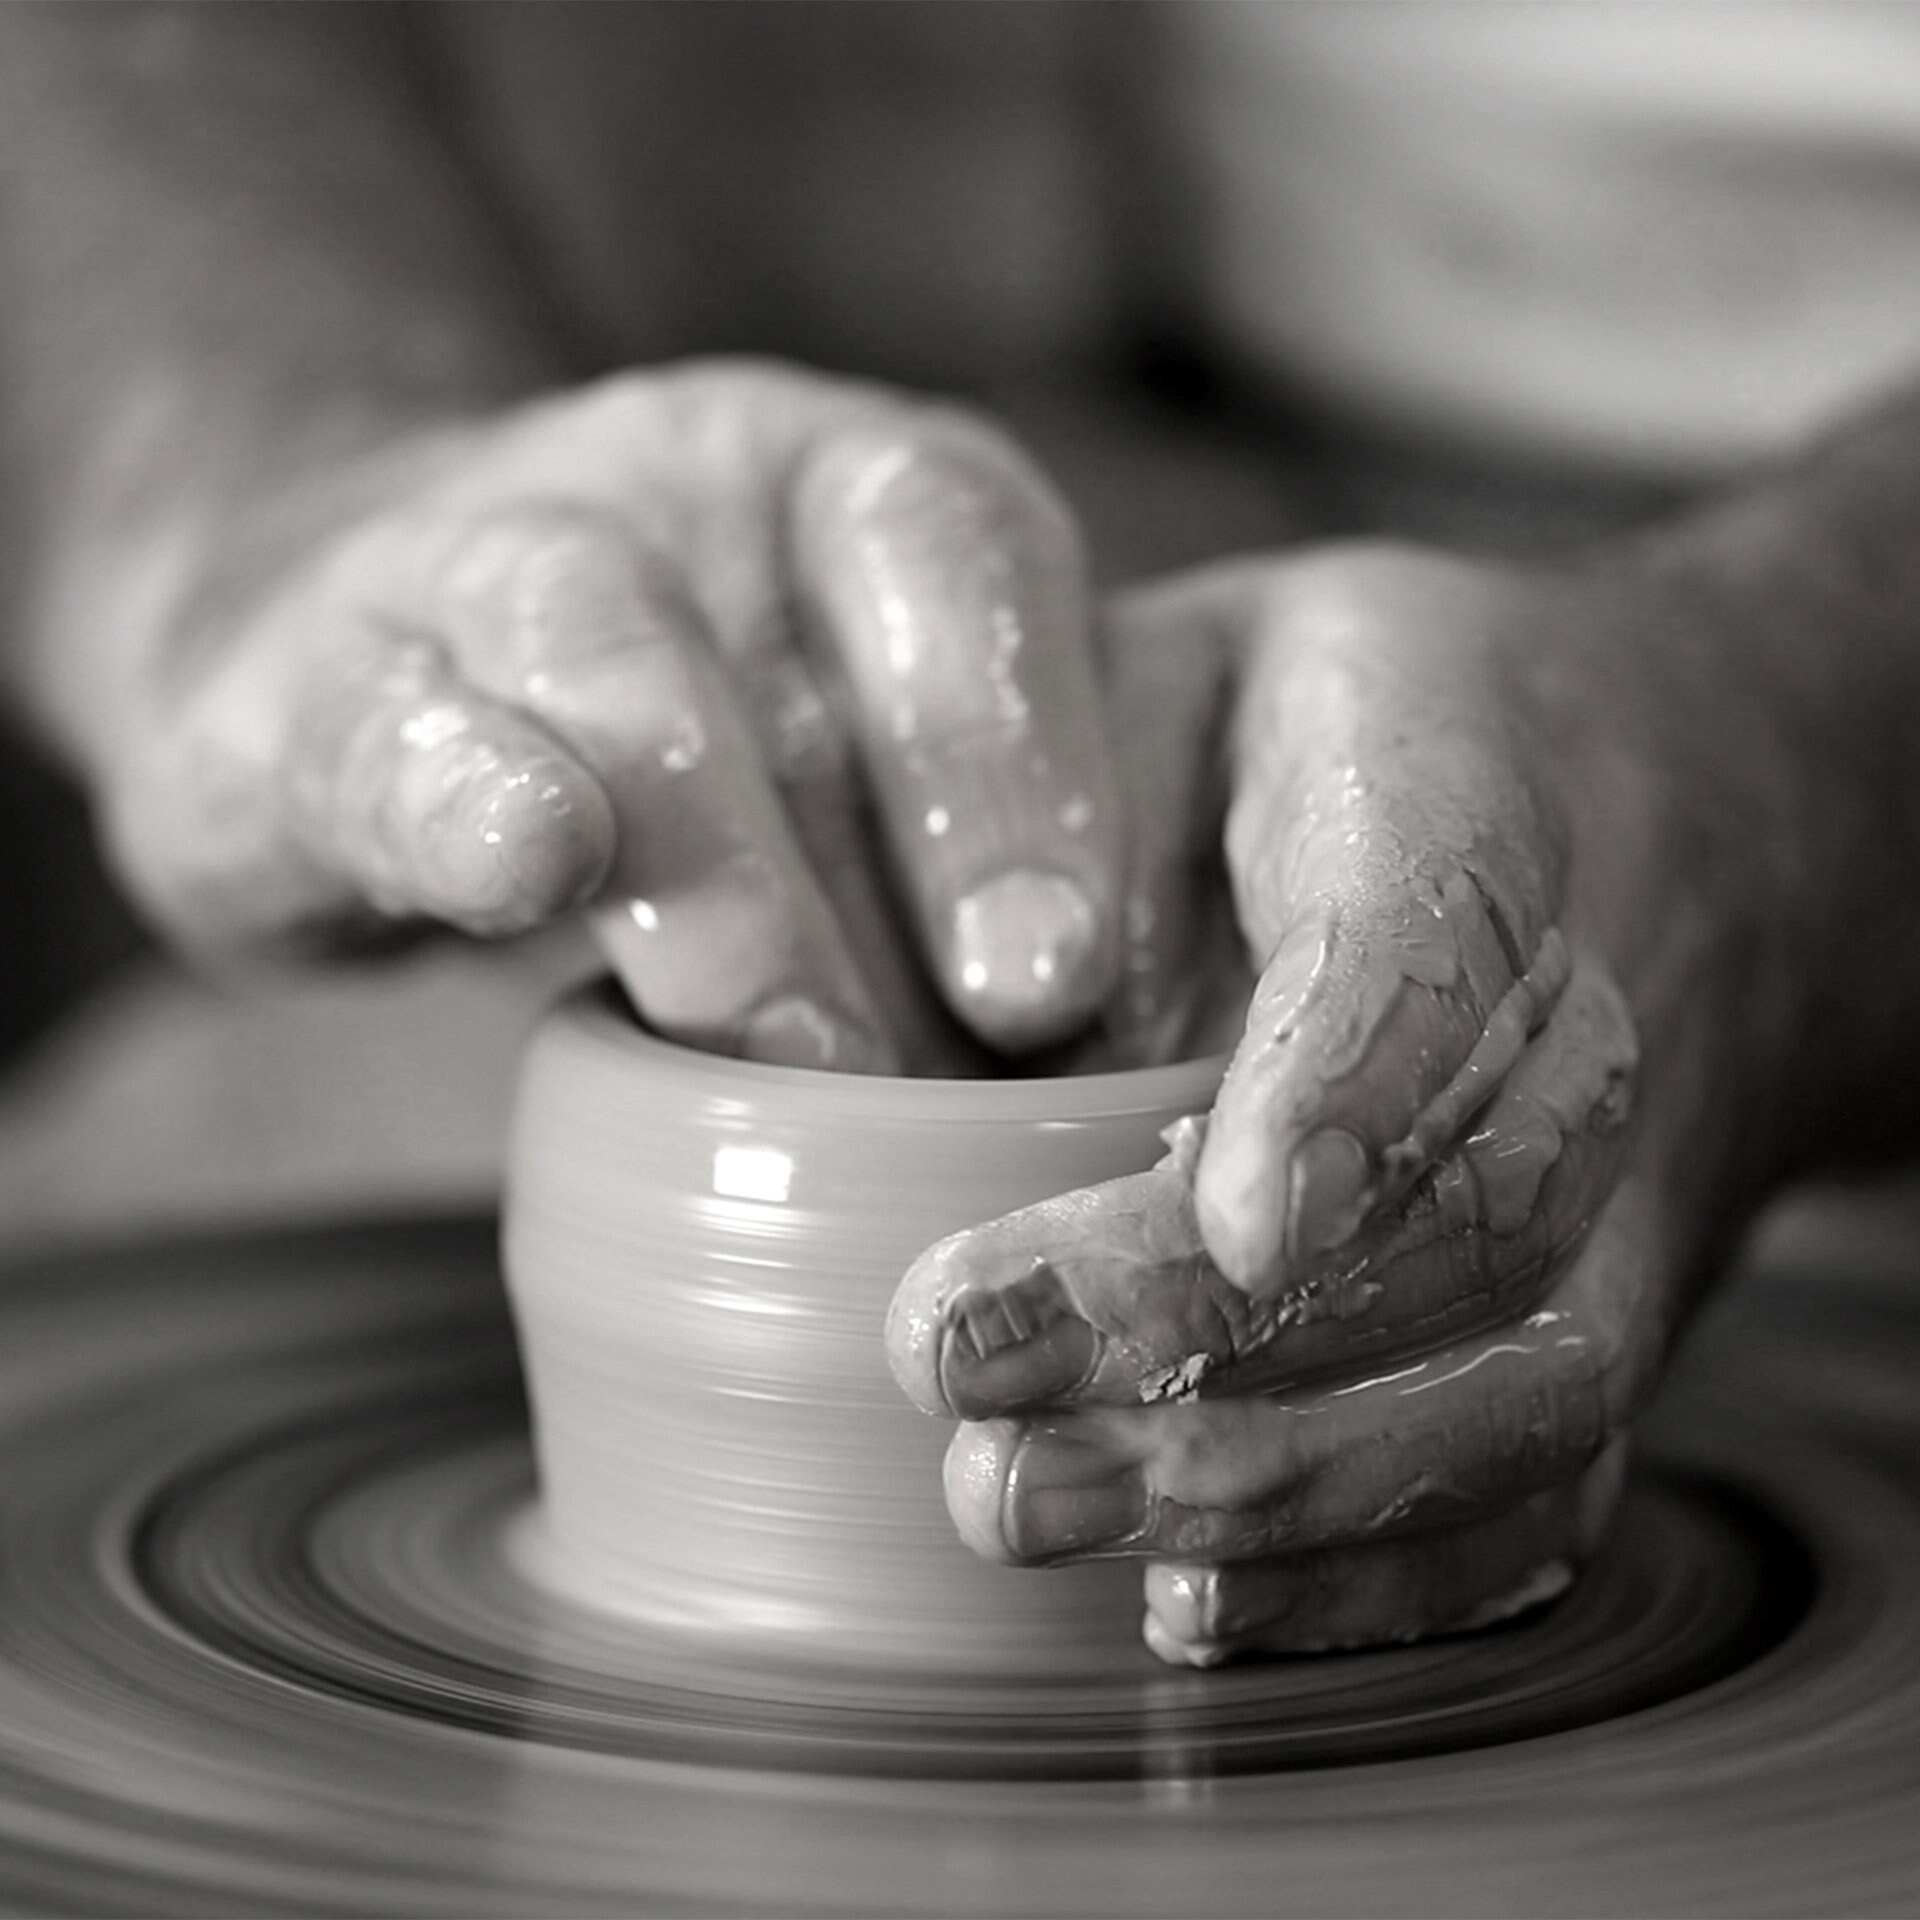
[701, 1253]
[1110, 1294]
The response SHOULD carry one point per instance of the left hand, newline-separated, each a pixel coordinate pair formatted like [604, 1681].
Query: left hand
[710, 651]
[1353, 1364]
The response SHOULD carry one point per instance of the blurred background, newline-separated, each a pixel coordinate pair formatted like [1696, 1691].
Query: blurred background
[1508, 277]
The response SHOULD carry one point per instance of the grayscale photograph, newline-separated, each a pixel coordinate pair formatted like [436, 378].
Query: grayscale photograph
[960, 957]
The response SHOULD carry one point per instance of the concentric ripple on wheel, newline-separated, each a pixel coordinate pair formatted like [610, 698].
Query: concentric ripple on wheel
[370, 1558]
[272, 1638]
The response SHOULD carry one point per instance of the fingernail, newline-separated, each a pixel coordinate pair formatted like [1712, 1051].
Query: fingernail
[1041, 1370]
[794, 1031]
[1065, 1498]
[553, 836]
[499, 850]
[1024, 947]
[983, 1320]
[1329, 1184]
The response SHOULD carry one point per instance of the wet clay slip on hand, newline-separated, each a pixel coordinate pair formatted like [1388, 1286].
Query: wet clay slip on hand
[701, 1252]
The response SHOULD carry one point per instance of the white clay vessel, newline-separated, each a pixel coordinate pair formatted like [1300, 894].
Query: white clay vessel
[701, 1252]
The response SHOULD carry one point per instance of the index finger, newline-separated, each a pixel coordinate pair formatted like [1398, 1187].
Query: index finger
[945, 578]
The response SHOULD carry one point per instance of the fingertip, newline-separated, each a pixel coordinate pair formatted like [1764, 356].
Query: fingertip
[801, 1023]
[549, 828]
[1165, 1645]
[483, 824]
[797, 1030]
[1030, 956]
[978, 1464]
[1184, 1599]
[913, 1333]
[926, 1317]
[1241, 1203]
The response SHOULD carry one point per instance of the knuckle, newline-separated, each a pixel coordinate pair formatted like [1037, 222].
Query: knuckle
[628, 400]
[892, 465]
[542, 580]
[747, 377]
[653, 698]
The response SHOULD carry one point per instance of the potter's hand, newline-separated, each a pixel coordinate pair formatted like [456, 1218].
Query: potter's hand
[640, 647]
[1352, 1363]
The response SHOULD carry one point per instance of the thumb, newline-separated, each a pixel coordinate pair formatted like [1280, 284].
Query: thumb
[1397, 872]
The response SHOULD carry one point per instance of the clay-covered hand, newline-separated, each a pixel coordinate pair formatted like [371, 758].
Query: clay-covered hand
[649, 646]
[1355, 1361]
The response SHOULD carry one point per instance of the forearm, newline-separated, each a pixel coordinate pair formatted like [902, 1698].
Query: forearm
[234, 258]
[1774, 638]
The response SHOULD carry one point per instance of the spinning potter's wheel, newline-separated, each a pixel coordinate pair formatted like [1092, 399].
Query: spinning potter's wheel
[278, 1636]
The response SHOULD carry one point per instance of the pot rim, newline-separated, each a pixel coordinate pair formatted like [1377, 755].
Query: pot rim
[597, 1017]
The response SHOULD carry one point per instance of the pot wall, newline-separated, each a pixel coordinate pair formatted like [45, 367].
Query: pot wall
[701, 1253]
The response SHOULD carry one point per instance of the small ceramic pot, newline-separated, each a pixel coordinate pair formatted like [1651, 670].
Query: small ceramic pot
[701, 1252]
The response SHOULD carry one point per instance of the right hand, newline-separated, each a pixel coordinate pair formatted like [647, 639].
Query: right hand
[646, 647]
[1357, 1362]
